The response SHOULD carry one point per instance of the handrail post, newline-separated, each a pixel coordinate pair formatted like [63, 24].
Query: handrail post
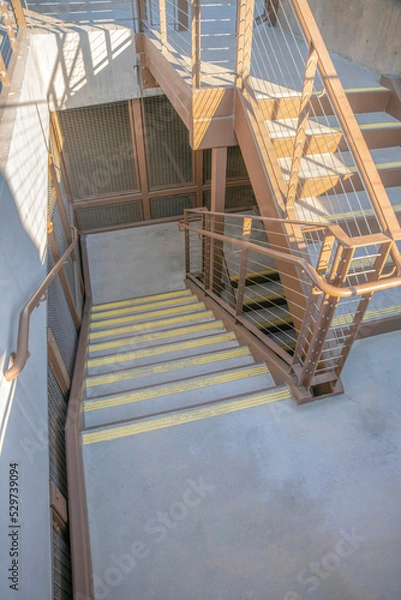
[300, 136]
[244, 32]
[163, 24]
[317, 330]
[19, 13]
[196, 43]
[243, 264]
[187, 244]
[4, 78]
[7, 22]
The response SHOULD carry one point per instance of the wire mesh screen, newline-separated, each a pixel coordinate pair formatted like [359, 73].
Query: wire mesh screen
[62, 577]
[171, 206]
[240, 197]
[236, 168]
[59, 319]
[98, 146]
[109, 215]
[57, 410]
[168, 149]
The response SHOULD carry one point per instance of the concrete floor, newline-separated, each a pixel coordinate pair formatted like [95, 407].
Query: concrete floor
[136, 262]
[297, 502]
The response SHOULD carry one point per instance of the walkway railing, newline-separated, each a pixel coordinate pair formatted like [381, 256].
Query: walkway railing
[305, 306]
[12, 23]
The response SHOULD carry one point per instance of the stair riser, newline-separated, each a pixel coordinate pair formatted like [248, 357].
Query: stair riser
[274, 276]
[391, 177]
[173, 402]
[167, 377]
[252, 306]
[378, 138]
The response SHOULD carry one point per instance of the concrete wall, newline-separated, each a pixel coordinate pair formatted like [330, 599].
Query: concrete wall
[55, 70]
[23, 403]
[368, 32]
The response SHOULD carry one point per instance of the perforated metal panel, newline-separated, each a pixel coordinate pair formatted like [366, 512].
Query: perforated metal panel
[60, 321]
[57, 411]
[62, 577]
[107, 216]
[168, 149]
[98, 146]
[171, 206]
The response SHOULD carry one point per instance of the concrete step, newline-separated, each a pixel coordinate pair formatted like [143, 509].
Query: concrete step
[177, 395]
[262, 276]
[149, 315]
[169, 370]
[170, 334]
[172, 351]
[287, 340]
[152, 326]
[337, 207]
[141, 308]
[179, 417]
[274, 319]
[320, 138]
[260, 295]
[286, 106]
[140, 300]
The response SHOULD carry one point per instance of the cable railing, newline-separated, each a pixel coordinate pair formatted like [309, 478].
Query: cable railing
[304, 303]
[12, 23]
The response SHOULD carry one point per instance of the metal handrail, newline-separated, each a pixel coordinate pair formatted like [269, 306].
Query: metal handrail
[19, 358]
[316, 279]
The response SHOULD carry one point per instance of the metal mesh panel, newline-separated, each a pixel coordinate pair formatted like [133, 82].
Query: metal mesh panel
[107, 216]
[236, 168]
[57, 411]
[169, 152]
[171, 206]
[60, 321]
[240, 197]
[62, 577]
[237, 197]
[98, 145]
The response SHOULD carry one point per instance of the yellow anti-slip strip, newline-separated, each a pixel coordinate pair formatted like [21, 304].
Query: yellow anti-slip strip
[368, 212]
[145, 307]
[274, 322]
[190, 416]
[168, 367]
[143, 300]
[177, 387]
[150, 337]
[366, 89]
[370, 315]
[151, 325]
[147, 316]
[381, 166]
[381, 125]
[161, 350]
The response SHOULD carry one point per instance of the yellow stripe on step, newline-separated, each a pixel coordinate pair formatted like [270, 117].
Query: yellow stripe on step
[370, 315]
[147, 316]
[188, 385]
[366, 89]
[144, 307]
[167, 367]
[390, 165]
[151, 324]
[191, 416]
[160, 350]
[143, 300]
[152, 337]
[381, 125]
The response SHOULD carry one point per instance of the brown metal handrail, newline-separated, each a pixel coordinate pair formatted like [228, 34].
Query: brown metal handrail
[315, 279]
[19, 358]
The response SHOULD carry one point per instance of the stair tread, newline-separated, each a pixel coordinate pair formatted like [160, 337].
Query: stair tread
[152, 339]
[140, 299]
[147, 316]
[287, 128]
[366, 119]
[242, 402]
[177, 394]
[149, 376]
[148, 307]
[273, 315]
[343, 206]
[116, 362]
[314, 166]
[155, 325]
[262, 291]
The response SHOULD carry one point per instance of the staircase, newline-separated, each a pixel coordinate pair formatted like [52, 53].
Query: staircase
[164, 353]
